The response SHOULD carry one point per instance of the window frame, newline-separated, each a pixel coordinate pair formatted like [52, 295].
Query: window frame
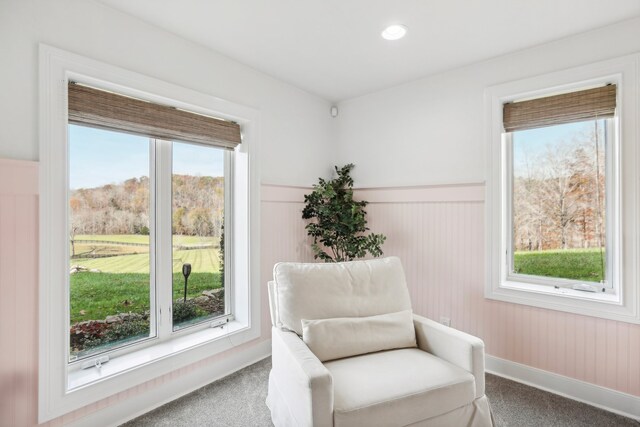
[624, 303]
[61, 392]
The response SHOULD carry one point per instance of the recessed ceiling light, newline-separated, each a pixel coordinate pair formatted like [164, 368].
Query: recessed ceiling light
[394, 32]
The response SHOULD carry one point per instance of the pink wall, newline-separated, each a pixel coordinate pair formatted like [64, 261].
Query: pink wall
[436, 231]
[19, 300]
[18, 296]
[440, 239]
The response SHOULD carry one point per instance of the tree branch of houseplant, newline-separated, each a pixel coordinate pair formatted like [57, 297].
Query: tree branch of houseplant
[338, 222]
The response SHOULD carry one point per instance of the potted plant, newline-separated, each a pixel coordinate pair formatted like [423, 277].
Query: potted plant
[338, 222]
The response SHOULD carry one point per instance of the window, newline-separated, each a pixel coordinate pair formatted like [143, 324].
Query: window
[112, 283]
[118, 286]
[561, 191]
[149, 230]
[557, 184]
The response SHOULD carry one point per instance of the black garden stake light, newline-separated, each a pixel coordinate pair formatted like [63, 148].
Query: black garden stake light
[186, 271]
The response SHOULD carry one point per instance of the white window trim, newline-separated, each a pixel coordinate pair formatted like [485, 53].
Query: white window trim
[59, 394]
[624, 304]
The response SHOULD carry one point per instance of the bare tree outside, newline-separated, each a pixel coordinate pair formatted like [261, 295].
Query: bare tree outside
[559, 181]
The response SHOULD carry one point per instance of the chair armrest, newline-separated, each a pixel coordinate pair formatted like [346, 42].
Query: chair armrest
[302, 380]
[271, 288]
[456, 347]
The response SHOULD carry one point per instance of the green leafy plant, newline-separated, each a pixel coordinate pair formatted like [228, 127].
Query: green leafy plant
[184, 310]
[127, 330]
[338, 222]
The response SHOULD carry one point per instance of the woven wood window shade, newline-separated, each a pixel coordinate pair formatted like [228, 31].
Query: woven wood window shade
[99, 108]
[577, 106]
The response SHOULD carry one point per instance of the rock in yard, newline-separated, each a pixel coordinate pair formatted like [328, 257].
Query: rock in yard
[212, 293]
[113, 319]
[77, 268]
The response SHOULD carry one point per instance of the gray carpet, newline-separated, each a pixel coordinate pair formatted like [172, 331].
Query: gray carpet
[238, 400]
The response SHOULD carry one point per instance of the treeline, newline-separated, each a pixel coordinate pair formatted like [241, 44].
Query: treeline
[198, 204]
[559, 201]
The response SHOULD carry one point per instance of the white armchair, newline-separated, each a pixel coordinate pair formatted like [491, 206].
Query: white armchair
[438, 383]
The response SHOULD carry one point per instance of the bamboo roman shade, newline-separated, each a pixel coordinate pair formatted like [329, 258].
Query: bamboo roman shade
[94, 107]
[577, 106]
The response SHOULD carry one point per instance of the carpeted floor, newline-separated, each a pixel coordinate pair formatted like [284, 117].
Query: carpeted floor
[238, 400]
[515, 404]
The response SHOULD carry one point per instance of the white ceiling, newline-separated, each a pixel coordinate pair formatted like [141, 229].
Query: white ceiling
[333, 48]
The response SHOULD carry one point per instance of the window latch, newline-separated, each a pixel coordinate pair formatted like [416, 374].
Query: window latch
[95, 362]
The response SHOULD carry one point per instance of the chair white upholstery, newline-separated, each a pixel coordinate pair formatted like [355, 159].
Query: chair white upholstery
[440, 383]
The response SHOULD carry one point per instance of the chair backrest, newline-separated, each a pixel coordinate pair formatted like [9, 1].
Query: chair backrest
[329, 290]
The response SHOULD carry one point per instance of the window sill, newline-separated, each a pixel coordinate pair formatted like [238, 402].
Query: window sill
[594, 304]
[180, 346]
[601, 297]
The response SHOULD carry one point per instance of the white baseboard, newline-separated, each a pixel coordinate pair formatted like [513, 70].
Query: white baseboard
[595, 395]
[129, 409]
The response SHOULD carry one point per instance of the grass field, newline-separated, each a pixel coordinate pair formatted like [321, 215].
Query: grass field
[123, 282]
[576, 264]
[97, 295]
[201, 260]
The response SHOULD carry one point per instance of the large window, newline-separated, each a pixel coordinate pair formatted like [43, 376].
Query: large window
[562, 192]
[559, 150]
[111, 224]
[558, 214]
[149, 230]
[120, 161]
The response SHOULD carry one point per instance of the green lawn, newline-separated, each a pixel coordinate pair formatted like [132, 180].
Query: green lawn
[577, 264]
[123, 282]
[99, 295]
[201, 260]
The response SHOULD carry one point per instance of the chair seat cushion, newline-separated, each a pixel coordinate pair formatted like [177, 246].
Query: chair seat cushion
[396, 388]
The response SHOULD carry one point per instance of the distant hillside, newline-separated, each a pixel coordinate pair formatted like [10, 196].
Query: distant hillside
[198, 203]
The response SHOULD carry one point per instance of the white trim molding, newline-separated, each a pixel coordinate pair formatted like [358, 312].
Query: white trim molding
[56, 392]
[471, 192]
[601, 397]
[624, 303]
[284, 193]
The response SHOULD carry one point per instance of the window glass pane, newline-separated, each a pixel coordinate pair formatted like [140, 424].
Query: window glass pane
[198, 233]
[559, 201]
[108, 239]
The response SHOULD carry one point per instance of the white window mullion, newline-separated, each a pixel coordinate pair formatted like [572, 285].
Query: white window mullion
[153, 291]
[228, 231]
[163, 238]
[509, 251]
[613, 220]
